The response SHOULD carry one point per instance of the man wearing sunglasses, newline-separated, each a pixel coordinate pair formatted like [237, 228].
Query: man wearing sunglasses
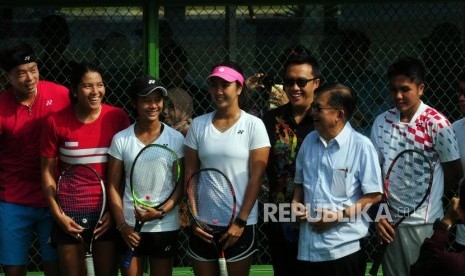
[287, 126]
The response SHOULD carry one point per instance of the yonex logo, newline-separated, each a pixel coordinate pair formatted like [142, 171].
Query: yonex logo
[48, 102]
[27, 57]
[151, 81]
[168, 248]
[240, 131]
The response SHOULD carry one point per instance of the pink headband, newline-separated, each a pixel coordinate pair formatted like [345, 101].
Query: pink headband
[228, 74]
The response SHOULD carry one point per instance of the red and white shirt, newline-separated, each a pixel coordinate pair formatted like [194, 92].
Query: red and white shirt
[20, 131]
[74, 142]
[428, 131]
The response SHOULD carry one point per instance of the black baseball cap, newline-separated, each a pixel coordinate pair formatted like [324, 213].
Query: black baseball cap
[143, 86]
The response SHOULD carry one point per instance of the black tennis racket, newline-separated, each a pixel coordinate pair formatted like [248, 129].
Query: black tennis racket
[406, 187]
[81, 196]
[153, 179]
[212, 205]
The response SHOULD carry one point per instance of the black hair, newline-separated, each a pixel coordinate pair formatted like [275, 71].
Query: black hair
[410, 67]
[340, 96]
[77, 73]
[16, 55]
[304, 59]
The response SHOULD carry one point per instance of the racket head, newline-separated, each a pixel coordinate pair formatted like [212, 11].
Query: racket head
[81, 195]
[408, 183]
[211, 200]
[154, 175]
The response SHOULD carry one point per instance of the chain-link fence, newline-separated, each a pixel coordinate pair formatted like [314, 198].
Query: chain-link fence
[353, 42]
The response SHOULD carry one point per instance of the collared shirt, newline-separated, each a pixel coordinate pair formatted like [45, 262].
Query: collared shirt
[20, 130]
[431, 133]
[335, 175]
[286, 136]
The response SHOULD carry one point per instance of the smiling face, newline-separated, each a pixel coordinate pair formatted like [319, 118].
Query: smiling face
[149, 107]
[224, 94]
[325, 117]
[406, 95]
[24, 78]
[300, 97]
[90, 91]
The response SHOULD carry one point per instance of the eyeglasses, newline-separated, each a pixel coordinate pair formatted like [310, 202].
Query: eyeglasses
[301, 82]
[318, 109]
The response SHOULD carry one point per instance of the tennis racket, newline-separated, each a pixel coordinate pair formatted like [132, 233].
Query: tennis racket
[153, 179]
[406, 187]
[212, 205]
[81, 196]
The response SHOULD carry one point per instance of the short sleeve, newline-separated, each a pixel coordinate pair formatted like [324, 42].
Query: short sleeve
[49, 139]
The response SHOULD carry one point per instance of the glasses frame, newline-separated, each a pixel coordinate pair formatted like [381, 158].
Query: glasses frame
[296, 81]
[319, 109]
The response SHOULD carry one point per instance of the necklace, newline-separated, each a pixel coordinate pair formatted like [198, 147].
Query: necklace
[28, 106]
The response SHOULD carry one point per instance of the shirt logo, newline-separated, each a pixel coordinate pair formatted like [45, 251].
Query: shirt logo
[240, 131]
[48, 102]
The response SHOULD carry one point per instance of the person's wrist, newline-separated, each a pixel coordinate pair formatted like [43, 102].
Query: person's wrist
[121, 226]
[163, 212]
[441, 224]
[240, 222]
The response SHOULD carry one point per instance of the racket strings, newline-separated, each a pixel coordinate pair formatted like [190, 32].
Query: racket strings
[408, 183]
[154, 175]
[211, 200]
[80, 195]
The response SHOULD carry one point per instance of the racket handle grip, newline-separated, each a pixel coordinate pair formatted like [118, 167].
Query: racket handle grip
[128, 258]
[378, 258]
[223, 266]
[375, 267]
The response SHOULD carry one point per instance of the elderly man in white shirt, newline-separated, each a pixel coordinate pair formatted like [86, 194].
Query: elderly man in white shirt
[338, 177]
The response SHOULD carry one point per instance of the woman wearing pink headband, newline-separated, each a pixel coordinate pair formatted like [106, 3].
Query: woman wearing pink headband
[236, 143]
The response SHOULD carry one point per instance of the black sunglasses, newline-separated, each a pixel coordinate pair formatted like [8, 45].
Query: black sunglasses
[301, 82]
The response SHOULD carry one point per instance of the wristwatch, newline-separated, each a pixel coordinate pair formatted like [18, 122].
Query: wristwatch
[240, 222]
[439, 224]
